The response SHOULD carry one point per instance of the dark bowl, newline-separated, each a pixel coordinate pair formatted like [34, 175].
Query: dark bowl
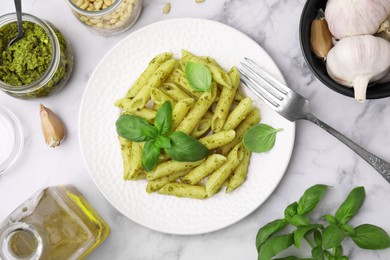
[317, 65]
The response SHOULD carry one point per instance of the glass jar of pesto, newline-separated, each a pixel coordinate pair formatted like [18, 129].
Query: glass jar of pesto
[38, 64]
[107, 17]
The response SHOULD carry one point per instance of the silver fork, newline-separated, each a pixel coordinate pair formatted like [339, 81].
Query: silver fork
[293, 106]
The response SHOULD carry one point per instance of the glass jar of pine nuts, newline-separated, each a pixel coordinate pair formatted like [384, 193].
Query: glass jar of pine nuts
[107, 17]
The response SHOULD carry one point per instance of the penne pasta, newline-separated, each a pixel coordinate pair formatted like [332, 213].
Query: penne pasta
[147, 113]
[225, 102]
[217, 73]
[180, 111]
[160, 98]
[174, 91]
[169, 167]
[252, 119]
[240, 173]
[135, 161]
[157, 184]
[238, 114]
[203, 126]
[217, 178]
[212, 163]
[184, 190]
[178, 77]
[154, 64]
[218, 139]
[195, 115]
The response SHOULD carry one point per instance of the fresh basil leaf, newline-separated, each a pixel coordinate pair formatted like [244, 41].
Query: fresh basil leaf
[338, 252]
[149, 131]
[317, 253]
[332, 236]
[317, 238]
[330, 219]
[198, 76]
[268, 230]
[351, 205]
[260, 138]
[328, 255]
[300, 232]
[274, 246]
[163, 120]
[298, 221]
[129, 127]
[371, 237]
[310, 198]
[291, 210]
[347, 228]
[150, 155]
[163, 142]
[185, 148]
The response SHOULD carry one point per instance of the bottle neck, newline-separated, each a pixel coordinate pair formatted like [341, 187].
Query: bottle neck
[21, 241]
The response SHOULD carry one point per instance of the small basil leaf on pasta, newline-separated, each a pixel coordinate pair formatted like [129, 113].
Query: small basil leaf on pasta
[260, 138]
[130, 127]
[150, 155]
[185, 148]
[149, 131]
[163, 120]
[163, 142]
[198, 76]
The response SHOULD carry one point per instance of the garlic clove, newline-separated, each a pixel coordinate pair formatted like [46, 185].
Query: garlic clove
[355, 17]
[356, 61]
[53, 128]
[320, 38]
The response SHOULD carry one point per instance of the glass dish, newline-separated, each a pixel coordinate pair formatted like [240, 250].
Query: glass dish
[12, 140]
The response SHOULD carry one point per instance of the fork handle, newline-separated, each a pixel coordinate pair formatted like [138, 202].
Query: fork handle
[377, 163]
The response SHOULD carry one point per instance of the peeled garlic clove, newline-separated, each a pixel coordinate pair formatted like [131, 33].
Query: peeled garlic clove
[52, 127]
[320, 38]
[356, 61]
[355, 17]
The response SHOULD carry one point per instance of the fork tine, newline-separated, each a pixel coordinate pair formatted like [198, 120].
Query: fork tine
[266, 86]
[267, 77]
[253, 86]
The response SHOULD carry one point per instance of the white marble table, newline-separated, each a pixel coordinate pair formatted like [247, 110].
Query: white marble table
[317, 156]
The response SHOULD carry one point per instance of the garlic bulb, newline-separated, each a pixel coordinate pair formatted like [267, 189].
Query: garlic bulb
[356, 61]
[355, 17]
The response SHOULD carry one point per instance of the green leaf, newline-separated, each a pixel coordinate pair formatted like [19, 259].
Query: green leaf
[268, 230]
[351, 205]
[163, 142]
[328, 255]
[310, 198]
[291, 210]
[317, 253]
[332, 236]
[299, 221]
[292, 257]
[300, 232]
[338, 252]
[317, 238]
[149, 131]
[347, 228]
[163, 120]
[185, 148]
[274, 246]
[198, 76]
[260, 138]
[129, 127]
[330, 219]
[371, 237]
[150, 155]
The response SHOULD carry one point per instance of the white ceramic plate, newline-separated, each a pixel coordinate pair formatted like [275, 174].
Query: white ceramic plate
[100, 148]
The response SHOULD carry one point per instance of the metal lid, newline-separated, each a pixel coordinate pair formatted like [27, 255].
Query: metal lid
[11, 139]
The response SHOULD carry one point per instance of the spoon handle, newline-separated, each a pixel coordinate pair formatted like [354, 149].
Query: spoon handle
[377, 163]
[18, 7]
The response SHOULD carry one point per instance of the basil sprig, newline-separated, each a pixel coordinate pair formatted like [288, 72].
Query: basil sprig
[260, 138]
[198, 76]
[325, 241]
[178, 145]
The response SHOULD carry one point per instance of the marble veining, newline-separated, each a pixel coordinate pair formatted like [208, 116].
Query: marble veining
[317, 158]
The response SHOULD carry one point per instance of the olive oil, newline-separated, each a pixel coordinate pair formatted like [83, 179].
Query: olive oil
[56, 223]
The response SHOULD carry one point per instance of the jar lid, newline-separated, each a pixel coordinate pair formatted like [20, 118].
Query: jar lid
[11, 142]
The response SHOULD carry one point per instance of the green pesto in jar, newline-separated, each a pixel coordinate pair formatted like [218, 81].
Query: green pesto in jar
[26, 60]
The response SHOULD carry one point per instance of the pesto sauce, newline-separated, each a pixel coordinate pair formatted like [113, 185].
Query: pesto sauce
[26, 60]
